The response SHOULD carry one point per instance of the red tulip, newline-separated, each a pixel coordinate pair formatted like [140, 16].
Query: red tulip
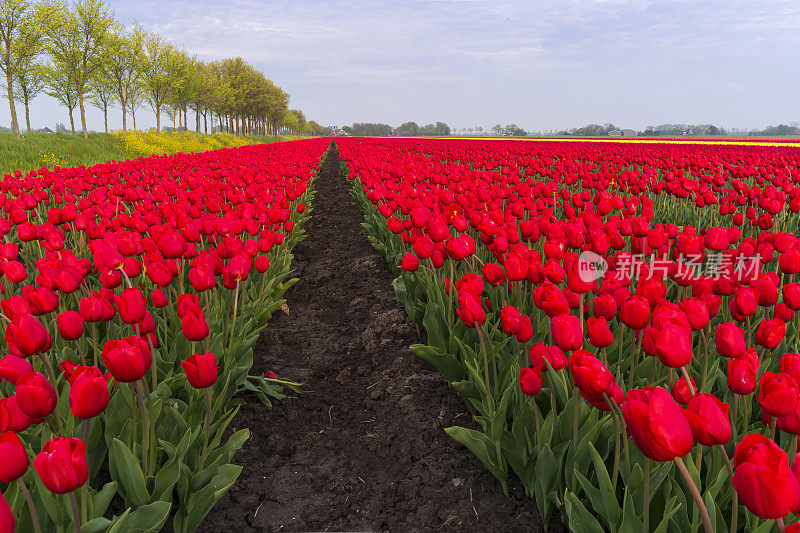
[470, 311]
[131, 305]
[70, 325]
[201, 370]
[62, 465]
[7, 522]
[742, 373]
[410, 262]
[35, 395]
[770, 333]
[635, 312]
[599, 333]
[194, 326]
[15, 459]
[127, 359]
[762, 478]
[682, 392]
[791, 295]
[674, 346]
[590, 375]
[777, 393]
[27, 336]
[539, 353]
[11, 416]
[12, 367]
[88, 394]
[657, 424]
[530, 380]
[493, 273]
[567, 332]
[708, 418]
[729, 339]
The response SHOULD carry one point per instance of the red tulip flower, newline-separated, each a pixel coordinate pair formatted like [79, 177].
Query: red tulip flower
[590, 375]
[762, 478]
[12, 367]
[131, 305]
[657, 424]
[27, 336]
[530, 380]
[194, 325]
[729, 339]
[88, 394]
[62, 465]
[635, 312]
[11, 416]
[777, 393]
[599, 333]
[567, 332]
[127, 359]
[201, 370]
[410, 262]
[70, 325]
[15, 459]
[741, 374]
[709, 420]
[35, 395]
[674, 346]
[770, 333]
[470, 311]
[682, 392]
[7, 522]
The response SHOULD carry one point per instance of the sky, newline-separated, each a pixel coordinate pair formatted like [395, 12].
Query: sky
[541, 65]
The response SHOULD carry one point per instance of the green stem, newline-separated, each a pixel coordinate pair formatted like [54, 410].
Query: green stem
[646, 494]
[734, 495]
[698, 499]
[137, 391]
[76, 521]
[206, 427]
[31, 507]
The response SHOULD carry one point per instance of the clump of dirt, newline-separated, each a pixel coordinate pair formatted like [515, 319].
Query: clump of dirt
[364, 448]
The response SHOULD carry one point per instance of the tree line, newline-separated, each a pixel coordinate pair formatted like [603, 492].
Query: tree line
[407, 129]
[80, 55]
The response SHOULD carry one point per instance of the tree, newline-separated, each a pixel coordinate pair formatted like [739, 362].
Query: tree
[29, 82]
[61, 86]
[123, 67]
[497, 129]
[409, 129]
[77, 45]
[102, 95]
[22, 28]
[155, 73]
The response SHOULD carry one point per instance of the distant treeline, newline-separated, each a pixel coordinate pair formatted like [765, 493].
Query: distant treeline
[407, 129]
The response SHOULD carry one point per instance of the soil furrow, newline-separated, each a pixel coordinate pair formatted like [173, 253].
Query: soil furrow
[364, 448]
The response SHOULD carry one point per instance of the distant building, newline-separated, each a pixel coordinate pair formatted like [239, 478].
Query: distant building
[47, 130]
[628, 133]
[615, 133]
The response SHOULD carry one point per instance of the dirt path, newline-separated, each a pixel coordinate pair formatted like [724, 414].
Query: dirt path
[365, 448]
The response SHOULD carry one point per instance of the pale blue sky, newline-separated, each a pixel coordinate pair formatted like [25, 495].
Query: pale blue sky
[541, 65]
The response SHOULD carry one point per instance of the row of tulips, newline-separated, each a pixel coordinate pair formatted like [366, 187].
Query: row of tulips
[622, 320]
[133, 293]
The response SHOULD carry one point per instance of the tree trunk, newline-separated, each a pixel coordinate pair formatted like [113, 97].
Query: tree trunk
[185, 120]
[124, 117]
[27, 114]
[205, 122]
[10, 85]
[105, 116]
[133, 116]
[72, 120]
[179, 120]
[158, 118]
[197, 118]
[83, 116]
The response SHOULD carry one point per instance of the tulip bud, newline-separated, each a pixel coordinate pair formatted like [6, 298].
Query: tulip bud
[567, 332]
[777, 393]
[70, 325]
[131, 305]
[708, 418]
[88, 394]
[410, 262]
[12, 367]
[729, 340]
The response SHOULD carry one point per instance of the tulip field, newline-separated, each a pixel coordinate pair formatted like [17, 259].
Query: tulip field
[621, 318]
[133, 293]
[622, 321]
